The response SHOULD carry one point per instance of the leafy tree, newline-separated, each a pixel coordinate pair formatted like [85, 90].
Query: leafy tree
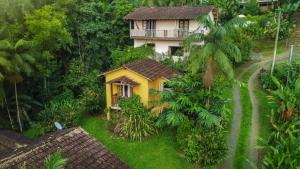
[187, 100]
[200, 132]
[21, 57]
[120, 57]
[48, 31]
[216, 53]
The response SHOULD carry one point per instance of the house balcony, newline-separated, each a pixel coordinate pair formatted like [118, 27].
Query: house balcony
[153, 34]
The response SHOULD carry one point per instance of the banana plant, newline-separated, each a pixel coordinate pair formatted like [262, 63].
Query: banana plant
[286, 98]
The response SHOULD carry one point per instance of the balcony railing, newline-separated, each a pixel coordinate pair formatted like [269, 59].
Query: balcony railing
[153, 33]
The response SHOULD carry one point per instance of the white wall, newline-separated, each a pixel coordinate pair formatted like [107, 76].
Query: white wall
[161, 47]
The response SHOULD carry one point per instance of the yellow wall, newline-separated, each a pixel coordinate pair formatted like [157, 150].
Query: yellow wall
[142, 89]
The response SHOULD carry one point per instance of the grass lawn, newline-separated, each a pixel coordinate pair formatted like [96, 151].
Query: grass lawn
[242, 145]
[265, 109]
[266, 47]
[159, 151]
[228, 94]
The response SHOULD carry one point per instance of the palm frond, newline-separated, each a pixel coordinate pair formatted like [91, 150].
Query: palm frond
[22, 45]
[5, 45]
[5, 63]
[224, 64]
[232, 51]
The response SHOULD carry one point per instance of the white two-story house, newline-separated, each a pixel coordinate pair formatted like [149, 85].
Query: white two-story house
[165, 28]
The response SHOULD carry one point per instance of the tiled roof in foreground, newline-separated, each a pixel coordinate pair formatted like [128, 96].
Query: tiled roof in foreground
[77, 145]
[169, 13]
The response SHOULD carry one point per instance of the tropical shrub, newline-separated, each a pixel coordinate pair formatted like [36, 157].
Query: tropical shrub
[206, 146]
[286, 99]
[92, 94]
[199, 115]
[283, 146]
[264, 27]
[284, 73]
[64, 109]
[252, 8]
[244, 43]
[134, 121]
[266, 80]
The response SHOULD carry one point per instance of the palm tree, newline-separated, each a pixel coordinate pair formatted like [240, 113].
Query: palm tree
[20, 57]
[216, 53]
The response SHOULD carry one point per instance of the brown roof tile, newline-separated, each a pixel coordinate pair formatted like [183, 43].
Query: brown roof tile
[124, 79]
[151, 69]
[159, 13]
[81, 149]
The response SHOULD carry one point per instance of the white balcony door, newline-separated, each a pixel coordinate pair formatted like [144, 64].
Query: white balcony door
[150, 24]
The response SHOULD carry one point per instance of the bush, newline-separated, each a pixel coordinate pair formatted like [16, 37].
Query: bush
[282, 146]
[281, 73]
[244, 43]
[266, 80]
[203, 146]
[134, 122]
[92, 95]
[252, 8]
[63, 109]
[264, 27]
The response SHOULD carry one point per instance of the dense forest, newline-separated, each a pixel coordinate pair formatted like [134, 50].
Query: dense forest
[53, 54]
[56, 50]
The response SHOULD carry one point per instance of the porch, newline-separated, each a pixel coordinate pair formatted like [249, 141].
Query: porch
[121, 87]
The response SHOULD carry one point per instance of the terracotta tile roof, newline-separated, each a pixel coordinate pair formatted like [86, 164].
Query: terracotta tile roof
[151, 69]
[11, 141]
[78, 146]
[124, 79]
[169, 13]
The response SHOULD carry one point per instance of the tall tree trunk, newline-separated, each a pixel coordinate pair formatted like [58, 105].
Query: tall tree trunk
[27, 117]
[18, 110]
[8, 112]
[45, 86]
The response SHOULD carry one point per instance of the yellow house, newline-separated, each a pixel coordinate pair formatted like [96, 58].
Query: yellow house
[135, 78]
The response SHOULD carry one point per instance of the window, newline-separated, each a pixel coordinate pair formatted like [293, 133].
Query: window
[164, 86]
[151, 45]
[151, 24]
[132, 24]
[175, 51]
[126, 91]
[184, 24]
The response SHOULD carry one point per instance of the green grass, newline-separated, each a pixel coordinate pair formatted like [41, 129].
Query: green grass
[242, 145]
[159, 151]
[266, 47]
[228, 94]
[264, 109]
